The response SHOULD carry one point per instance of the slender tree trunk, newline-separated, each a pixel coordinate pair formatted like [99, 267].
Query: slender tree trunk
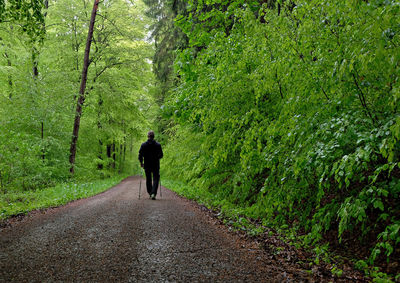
[123, 156]
[35, 72]
[361, 96]
[108, 151]
[113, 155]
[35, 52]
[121, 164]
[10, 82]
[1, 182]
[100, 127]
[100, 156]
[279, 83]
[43, 151]
[35, 69]
[81, 98]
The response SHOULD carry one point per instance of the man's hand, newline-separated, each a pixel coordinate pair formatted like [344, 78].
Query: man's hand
[141, 165]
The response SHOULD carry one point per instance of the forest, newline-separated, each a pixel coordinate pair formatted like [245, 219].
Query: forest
[42, 47]
[278, 112]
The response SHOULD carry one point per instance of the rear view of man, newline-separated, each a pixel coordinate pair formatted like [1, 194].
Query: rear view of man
[150, 154]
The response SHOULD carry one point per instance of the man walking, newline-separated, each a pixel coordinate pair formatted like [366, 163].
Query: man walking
[150, 154]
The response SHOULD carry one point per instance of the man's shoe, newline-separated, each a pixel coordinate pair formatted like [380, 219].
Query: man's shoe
[153, 196]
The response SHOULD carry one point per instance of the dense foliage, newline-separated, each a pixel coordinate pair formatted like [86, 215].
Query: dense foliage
[287, 110]
[40, 71]
[291, 111]
[167, 38]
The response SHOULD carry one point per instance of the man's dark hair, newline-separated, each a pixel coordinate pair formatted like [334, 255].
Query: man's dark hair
[150, 135]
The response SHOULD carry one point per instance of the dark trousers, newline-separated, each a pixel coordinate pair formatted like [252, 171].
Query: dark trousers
[152, 183]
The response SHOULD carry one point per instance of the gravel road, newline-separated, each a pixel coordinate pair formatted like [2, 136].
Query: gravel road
[114, 236]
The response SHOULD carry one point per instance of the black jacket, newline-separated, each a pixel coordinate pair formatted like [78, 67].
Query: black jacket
[151, 152]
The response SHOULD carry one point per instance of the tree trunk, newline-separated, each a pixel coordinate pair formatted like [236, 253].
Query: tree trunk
[123, 156]
[1, 182]
[81, 98]
[100, 156]
[10, 82]
[121, 164]
[113, 155]
[35, 69]
[108, 151]
[43, 149]
[100, 127]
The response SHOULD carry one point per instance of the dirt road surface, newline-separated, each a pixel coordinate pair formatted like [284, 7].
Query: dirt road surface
[115, 237]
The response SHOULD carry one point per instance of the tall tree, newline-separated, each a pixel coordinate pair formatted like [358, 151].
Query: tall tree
[168, 39]
[119, 75]
[81, 98]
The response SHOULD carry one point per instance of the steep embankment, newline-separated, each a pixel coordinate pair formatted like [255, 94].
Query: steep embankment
[289, 114]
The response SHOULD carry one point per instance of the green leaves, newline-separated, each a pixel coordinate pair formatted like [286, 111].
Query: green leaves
[36, 111]
[291, 112]
[29, 14]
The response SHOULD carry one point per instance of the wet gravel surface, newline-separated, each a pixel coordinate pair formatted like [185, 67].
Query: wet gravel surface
[115, 236]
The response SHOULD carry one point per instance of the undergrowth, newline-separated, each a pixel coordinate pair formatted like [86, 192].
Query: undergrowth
[242, 219]
[290, 116]
[21, 202]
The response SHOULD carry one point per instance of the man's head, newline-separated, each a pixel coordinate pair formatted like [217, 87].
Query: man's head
[150, 135]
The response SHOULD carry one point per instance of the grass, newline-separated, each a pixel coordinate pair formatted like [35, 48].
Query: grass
[16, 202]
[182, 189]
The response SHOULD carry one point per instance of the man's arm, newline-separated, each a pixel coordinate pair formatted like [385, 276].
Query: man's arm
[141, 156]
[160, 153]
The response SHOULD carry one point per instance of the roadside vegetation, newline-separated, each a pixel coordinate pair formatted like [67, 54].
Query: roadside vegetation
[283, 112]
[15, 203]
[287, 112]
[42, 52]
